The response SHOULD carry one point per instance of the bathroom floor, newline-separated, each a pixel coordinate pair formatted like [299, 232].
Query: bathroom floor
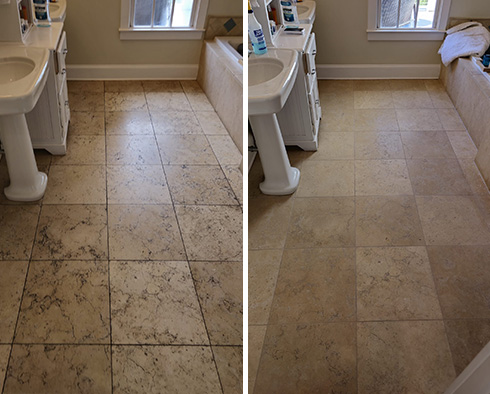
[127, 276]
[373, 277]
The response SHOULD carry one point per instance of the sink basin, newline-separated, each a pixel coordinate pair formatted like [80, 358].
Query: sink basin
[57, 11]
[14, 68]
[271, 78]
[306, 11]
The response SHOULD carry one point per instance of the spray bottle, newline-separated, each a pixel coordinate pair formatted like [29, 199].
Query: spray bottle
[41, 11]
[256, 33]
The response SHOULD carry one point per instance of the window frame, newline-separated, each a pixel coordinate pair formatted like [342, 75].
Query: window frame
[404, 34]
[195, 32]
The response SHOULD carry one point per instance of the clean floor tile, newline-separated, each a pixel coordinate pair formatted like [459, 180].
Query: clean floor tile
[256, 336]
[123, 86]
[167, 101]
[17, 231]
[86, 101]
[211, 123]
[418, 119]
[334, 146]
[125, 101]
[225, 149]
[382, 177]
[450, 119]
[372, 99]
[132, 149]
[326, 178]
[185, 149]
[162, 86]
[229, 360]
[175, 122]
[83, 149]
[375, 120]
[87, 123]
[462, 144]
[4, 358]
[411, 99]
[380, 145]
[427, 145]
[128, 123]
[86, 86]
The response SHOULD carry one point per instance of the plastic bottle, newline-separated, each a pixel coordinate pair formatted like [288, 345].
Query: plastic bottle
[41, 11]
[256, 34]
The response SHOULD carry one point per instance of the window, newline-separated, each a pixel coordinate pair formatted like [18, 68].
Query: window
[162, 19]
[407, 19]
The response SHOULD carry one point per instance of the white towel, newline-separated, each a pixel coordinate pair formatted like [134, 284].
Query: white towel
[467, 39]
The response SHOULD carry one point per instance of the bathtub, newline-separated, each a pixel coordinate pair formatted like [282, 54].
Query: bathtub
[230, 46]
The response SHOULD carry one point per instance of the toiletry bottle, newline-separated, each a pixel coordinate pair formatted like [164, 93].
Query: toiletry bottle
[256, 33]
[41, 11]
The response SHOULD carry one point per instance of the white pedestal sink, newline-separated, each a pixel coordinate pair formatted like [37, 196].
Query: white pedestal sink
[23, 74]
[270, 80]
[306, 11]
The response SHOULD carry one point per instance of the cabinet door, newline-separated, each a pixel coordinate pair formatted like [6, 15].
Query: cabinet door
[64, 108]
[310, 54]
[61, 52]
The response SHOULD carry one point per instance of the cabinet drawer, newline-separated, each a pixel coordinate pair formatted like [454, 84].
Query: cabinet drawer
[61, 52]
[64, 107]
[310, 54]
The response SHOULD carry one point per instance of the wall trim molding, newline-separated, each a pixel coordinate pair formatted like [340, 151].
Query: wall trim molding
[378, 71]
[131, 71]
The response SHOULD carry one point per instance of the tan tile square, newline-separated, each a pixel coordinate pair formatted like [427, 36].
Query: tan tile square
[211, 233]
[334, 146]
[427, 145]
[418, 119]
[123, 86]
[411, 99]
[337, 119]
[229, 361]
[83, 149]
[378, 145]
[382, 177]
[71, 232]
[137, 185]
[11, 288]
[462, 144]
[154, 302]
[65, 302]
[440, 99]
[128, 123]
[450, 119]
[256, 336]
[86, 123]
[395, 284]
[334, 85]
[86, 86]
[162, 86]
[308, 359]
[372, 99]
[4, 358]
[17, 231]
[144, 232]
[167, 101]
[268, 222]
[185, 149]
[452, 220]
[372, 85]
[434, 85]
[225, 149]
[211, 123]
[76, 184]
[164, 369]
[86, 101]
[199, 185]
[315, 286]
[337, 100]
[175, 122]
[375, 120]
[44, 369]
[219, 286]
[437, 177]
[125, 101]
[322, 222]
[388, 221]
[473, 177]
[235, 178]
[412, 357]
[132, 149]
[407, 84]
[326, 178]
[462, 278]
[196, 97]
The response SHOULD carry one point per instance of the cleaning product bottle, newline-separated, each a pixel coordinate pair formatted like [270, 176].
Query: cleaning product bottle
[256, 33]
[41, 11]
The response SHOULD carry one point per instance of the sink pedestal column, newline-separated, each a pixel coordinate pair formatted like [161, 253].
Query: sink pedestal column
[26, 182]
[280, 177]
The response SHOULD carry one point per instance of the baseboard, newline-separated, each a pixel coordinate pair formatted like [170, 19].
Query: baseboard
[378, 71]
[131, 71]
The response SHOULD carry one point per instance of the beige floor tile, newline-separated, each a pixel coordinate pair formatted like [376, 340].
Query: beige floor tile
[219, 286]
[322, 222]
[418, 119]
[123, 86]
[225, 149]
[434, 85]
[74, 369]
[450, 119]
[337, 119]
[440, 99]
[395, 284]
[308, 359]
[125, 101]
[211, 233]
[175, 122]
[452, 220]
[297, 156]
[380, 145]
[326, 178]
[235, 178]
[334, 85]
[263, 268]
[268, 221]
[164, 369]
[334, 146]
[388, 221]
[128, 123]
[337, 100]
[199, 101]
[17, 231]
[86, 86]
[382, 177]
[462, 278]
[137, 185]
[144, 232]
[199, 185]
[162, 86]
[83, 149]
[437, 177]
[371, 85]
[404, 99]
[256, 336]
[185, 149]
[71, 232]
[65, 302]
[315, 286]
[411, 357]
[473, 177]
[167, 101]
[375, 120]
[11, 288]
[132, 149]
[462, 144]
[466, 339]
[407, 84]
[4, 358]
[372, 99]
[229, 361]
[211, 123]
[86, 123]
[427, 145]
[154, 302]
[76, 184]
[86, 101]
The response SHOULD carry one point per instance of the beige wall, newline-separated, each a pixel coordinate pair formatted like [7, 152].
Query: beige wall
[93, 36]
[342, 39]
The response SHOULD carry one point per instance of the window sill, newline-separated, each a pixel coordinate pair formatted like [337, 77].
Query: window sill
[412, 35]
[161, 34]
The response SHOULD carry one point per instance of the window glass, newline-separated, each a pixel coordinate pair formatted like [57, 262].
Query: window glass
[163, 13]
[408, 14]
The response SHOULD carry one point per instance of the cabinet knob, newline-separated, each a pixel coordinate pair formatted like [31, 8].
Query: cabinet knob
[66, 103]
[63, 72]
[317, 102]
[313, 72]
[313, 53]
[65, 51]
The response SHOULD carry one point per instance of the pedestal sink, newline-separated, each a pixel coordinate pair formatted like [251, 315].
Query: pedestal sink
[270, 80]
[23, 74]
[306, 11]
[57, 11]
